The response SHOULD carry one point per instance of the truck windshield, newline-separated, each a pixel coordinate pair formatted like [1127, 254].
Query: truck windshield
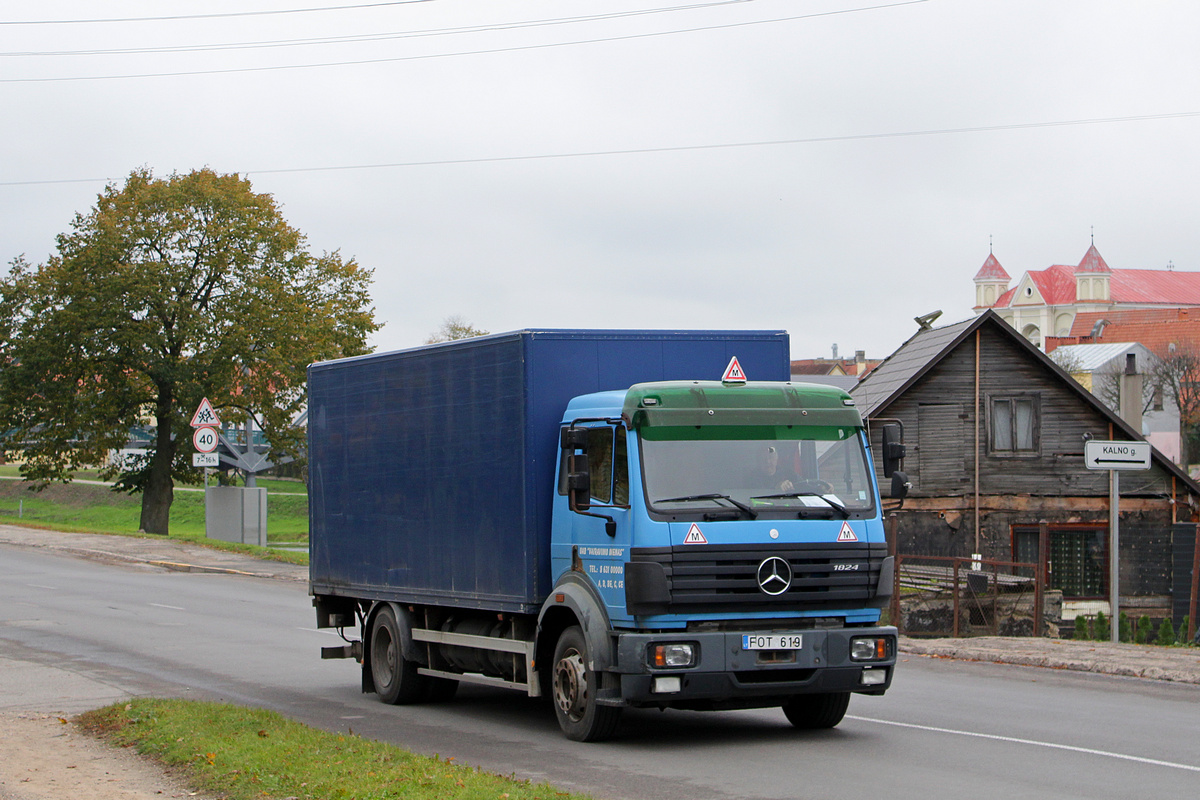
[762, 468]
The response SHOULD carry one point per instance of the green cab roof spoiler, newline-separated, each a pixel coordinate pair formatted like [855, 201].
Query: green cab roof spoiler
[704, 403]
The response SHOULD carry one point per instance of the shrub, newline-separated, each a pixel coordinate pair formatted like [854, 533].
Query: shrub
[1145, 631]
[1124, 628]
[1166, 633]
[1101, 631]
[1083, 628]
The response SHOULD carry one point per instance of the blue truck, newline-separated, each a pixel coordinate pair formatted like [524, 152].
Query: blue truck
[610, 518]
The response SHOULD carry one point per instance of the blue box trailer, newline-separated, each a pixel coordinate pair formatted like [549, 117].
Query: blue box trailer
[432, 469]
[615, 518]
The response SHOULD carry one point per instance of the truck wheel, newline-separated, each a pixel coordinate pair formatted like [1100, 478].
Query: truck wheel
[574, 689]
[817, 711]
[396, 678]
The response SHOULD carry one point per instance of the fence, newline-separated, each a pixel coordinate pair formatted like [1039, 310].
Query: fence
[953, 596]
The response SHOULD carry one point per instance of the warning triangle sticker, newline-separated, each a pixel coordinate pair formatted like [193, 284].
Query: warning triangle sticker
[733, 372]
[694, 536]
[847, 533]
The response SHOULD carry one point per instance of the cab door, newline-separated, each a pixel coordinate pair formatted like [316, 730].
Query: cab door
[602, 556]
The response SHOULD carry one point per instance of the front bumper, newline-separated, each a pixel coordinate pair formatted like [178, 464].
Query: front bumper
[726, 676]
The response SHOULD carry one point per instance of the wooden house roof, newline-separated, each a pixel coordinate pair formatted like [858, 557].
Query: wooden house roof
[927, 348]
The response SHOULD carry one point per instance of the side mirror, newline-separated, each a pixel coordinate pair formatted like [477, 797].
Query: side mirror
[900, 485]
[573, 438]
[579, 482]
[893, 448]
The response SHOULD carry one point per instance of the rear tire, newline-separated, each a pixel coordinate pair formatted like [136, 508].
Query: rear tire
[817, 711]
[574, 688]
[396, 679]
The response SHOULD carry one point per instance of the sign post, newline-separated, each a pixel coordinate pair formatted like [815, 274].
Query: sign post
[1114, 457]
[205, 438]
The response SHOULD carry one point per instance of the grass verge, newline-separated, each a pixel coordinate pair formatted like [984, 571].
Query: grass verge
[89, 508]
[242, 753]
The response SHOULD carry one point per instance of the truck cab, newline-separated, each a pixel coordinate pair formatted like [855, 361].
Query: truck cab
[732, 536]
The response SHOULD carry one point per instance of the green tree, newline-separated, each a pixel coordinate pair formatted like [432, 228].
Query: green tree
[454, 328]
[1166, 633]
[168, 291]
[1100, 628]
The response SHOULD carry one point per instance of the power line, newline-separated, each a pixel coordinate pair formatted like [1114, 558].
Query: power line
[377, 37]
[396, 59]
[275, 12]
[687, 148]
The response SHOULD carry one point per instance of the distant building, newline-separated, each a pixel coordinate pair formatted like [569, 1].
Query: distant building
[1046, 302]
[836, 371]
[1098, 368]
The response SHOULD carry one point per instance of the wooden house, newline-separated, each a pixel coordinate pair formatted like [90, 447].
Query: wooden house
[996, 434]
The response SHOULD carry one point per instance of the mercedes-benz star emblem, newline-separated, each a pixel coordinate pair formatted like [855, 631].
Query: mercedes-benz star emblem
[774, 575]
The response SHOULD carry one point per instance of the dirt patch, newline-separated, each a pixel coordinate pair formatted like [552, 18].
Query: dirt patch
[45, 757]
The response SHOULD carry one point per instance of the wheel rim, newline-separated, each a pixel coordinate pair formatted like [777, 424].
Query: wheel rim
[570, 685]
[384, 656]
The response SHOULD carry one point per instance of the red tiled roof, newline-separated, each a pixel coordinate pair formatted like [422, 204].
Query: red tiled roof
[992, 271]
[1092, 262]
[1128, 286]
[1155, 328]
[1155, 286]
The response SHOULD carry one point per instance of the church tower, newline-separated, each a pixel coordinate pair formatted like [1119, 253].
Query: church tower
[990, 283]
[1092, 278]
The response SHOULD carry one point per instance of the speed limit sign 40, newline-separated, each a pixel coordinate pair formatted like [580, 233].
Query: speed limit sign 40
[205, 439]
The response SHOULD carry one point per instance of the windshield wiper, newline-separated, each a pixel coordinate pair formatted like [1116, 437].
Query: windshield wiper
[834, 504]
[713, 496]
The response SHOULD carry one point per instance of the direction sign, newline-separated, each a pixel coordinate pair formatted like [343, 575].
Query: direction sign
[205, 439]
[1116, 455]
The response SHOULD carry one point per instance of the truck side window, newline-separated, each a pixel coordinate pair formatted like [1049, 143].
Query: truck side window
[600, 462]
[620, 469]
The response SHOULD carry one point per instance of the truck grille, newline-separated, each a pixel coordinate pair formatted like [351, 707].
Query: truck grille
[724, 578]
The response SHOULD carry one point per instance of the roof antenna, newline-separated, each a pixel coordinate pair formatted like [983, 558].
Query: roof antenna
[989, 244]
[1093, 236]
[926, 320]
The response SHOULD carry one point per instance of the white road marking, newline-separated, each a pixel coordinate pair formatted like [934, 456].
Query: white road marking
[41, 586]
[160, 605]
[1034, 742]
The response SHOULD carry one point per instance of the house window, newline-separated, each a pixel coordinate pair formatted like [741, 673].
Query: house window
[1015, 425]
[1078, 559]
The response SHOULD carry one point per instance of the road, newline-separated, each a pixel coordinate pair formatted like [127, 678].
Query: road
[77, 634]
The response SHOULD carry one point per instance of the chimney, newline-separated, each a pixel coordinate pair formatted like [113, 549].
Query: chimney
[860, 362]
[1131, 393]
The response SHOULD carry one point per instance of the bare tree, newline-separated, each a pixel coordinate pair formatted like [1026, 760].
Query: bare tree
[1179, 374]
[1106, 385]
[453, 328]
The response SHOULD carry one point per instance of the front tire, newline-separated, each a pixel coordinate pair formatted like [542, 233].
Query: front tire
[396, 679]
[574, 688]
[812, 712]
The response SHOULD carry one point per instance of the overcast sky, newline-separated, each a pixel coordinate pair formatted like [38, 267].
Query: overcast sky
[833, 168]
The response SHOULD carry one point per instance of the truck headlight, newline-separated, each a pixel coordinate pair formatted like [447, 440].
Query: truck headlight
[678, 655]
[871, 648]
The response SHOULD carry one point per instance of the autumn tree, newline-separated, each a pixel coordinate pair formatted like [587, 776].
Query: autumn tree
[168, 291]
[454, 328]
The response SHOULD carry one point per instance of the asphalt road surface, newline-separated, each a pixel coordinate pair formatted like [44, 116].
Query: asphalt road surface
[77, 634]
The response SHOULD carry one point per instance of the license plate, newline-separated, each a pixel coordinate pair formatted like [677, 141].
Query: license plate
[772, 641]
